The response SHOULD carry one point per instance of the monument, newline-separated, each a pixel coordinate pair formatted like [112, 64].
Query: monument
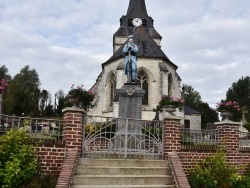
[130, 103]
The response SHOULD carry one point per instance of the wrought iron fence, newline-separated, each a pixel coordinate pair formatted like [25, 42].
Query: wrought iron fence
[245, 139]
[199, 137]
[36, 127]
[106, 135]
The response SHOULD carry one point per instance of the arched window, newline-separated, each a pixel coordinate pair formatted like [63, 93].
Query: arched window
[170, 85]
[112, 88]
[143, 81]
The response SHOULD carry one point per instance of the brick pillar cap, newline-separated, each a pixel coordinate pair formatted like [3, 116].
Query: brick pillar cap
[173, 117]
[228, 122]
[73, 109]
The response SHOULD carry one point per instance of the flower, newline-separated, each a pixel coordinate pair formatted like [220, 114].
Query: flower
[167, 100]
[3, 85]
[80, 97]
[230, 106]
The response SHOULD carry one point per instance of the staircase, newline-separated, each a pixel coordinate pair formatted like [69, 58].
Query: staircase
[122, 173]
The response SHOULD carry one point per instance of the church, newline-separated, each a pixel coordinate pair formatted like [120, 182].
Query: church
[157, 74]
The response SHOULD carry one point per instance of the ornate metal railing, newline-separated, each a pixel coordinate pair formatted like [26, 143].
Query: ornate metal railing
[106, 135]
[37, 127]
[199, 137]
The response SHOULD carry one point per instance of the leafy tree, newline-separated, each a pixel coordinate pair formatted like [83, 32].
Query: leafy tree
[4, 74]
[22, 95]
[193, 100]
[192, 97]
[44, 96]
[59, 102]
[240, 92]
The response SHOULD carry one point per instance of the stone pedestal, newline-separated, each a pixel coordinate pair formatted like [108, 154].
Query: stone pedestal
[130, 101]
[128, 134]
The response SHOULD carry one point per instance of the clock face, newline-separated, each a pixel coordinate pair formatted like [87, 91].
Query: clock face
[137, 22]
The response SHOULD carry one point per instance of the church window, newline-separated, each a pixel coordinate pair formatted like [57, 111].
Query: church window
[144, 23]
[143, 81]
[170, 85]
[130, 22]
[112, 89]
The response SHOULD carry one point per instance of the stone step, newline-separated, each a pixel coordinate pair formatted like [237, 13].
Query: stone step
[109, 170]
[122, 162]
[122, 180]
[121, 155]
[123, 186]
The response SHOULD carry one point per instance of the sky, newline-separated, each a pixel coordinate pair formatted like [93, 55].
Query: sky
[66, 41]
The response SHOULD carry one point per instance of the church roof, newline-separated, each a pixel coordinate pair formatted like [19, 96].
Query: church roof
[137, 8]
[148, 48]
[189, 111]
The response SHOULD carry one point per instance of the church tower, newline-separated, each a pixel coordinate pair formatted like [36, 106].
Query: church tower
[156, 73]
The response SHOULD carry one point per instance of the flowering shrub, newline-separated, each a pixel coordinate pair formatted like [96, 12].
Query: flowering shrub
[79, 97]
[230, 106]
[167, 100]
[3, 85]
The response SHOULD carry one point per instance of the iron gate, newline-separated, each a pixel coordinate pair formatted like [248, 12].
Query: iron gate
[106, 136]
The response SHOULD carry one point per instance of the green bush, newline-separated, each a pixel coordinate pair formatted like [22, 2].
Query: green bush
[18, 160]
[213, 172]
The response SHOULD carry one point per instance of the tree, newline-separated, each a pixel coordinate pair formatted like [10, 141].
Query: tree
[44, 100]
[23, 93]
[193, 100]
[240, 92]
[59, 102]
[4, 74]
[192, 97]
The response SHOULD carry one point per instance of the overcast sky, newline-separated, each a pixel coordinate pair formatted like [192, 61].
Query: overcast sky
[66, 41]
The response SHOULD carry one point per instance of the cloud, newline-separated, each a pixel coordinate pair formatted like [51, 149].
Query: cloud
[67, 41]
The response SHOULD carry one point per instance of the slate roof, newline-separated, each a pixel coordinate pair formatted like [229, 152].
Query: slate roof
[190, 111]
[137, 6]
[136, 9]
[148, 48]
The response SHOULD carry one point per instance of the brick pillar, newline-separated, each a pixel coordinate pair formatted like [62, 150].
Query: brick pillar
[172, 134]
[229, 138]
[73, 129]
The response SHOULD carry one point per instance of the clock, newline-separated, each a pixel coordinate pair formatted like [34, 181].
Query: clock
[137, 22]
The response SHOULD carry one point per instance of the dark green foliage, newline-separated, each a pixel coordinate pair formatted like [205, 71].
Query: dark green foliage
[18, 161]
[240, 92]
[193, 100]
[22, 95]
[247, 126]
[207, 114]
[59, 102]
[4, 74]
[42, 181]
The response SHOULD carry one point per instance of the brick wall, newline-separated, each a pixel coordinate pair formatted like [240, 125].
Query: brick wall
[229, 139]
[52, 154]
[51, 157]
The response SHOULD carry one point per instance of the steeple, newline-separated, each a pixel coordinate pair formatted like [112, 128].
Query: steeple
[136, 16]
[137, 6]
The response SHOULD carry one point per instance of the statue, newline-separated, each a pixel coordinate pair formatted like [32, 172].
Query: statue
[130, 62]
